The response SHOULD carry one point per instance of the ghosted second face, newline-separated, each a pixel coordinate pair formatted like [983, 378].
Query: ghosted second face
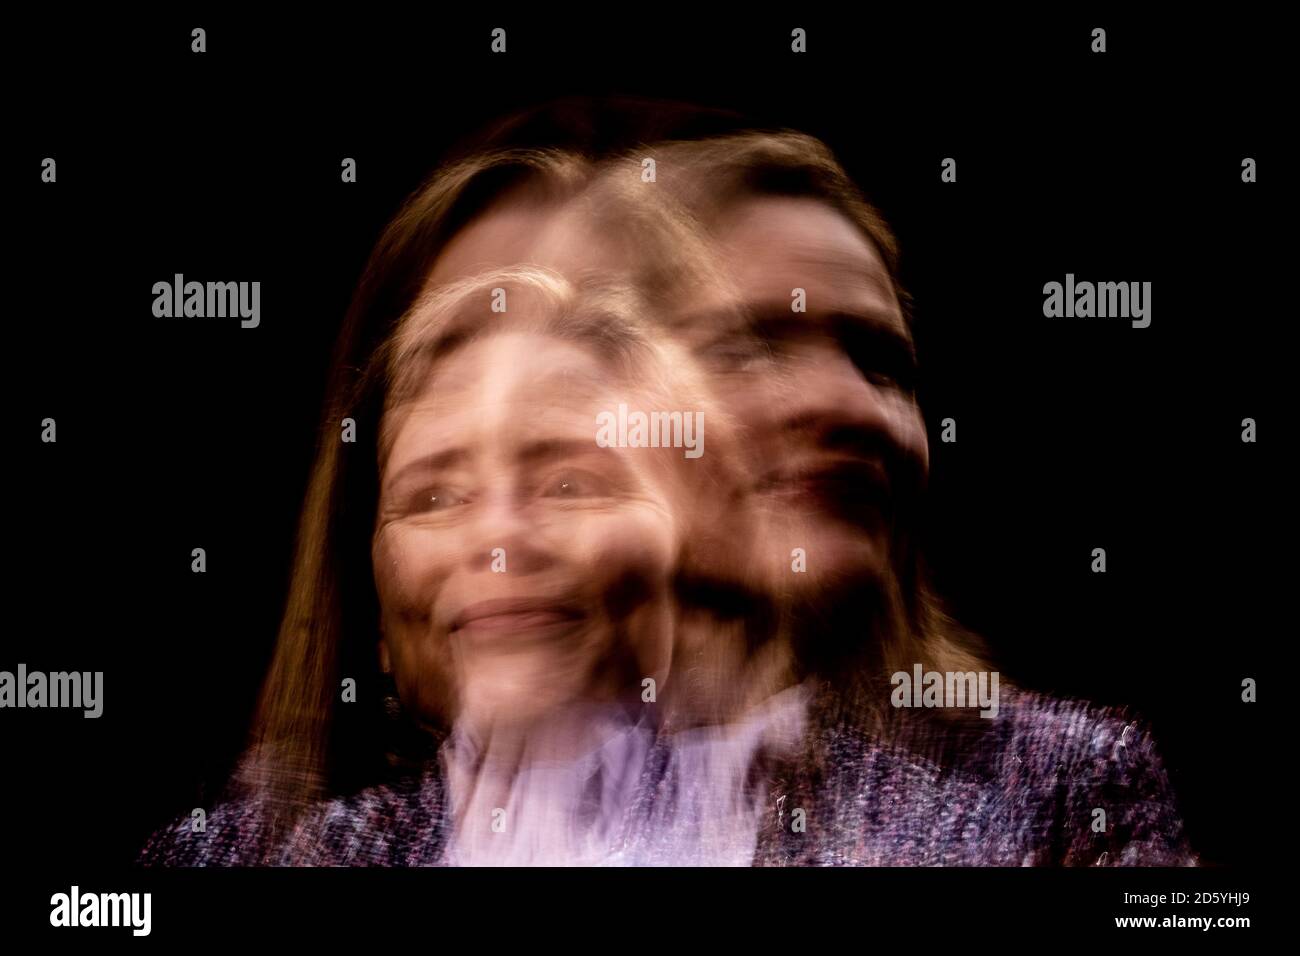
[823, 388]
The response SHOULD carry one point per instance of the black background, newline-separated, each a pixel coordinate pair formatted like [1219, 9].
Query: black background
[176, 434]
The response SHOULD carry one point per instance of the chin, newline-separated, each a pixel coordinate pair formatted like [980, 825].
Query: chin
[524, 686]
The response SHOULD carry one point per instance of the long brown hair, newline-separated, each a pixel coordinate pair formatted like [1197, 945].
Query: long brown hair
[303, 744]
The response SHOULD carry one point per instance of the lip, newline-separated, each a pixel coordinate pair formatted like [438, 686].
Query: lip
[515, 616]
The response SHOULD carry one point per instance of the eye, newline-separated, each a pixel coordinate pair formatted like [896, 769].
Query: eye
[737, 353]
[435, 499]
[883, 358]
[574, 485]
[901, 377]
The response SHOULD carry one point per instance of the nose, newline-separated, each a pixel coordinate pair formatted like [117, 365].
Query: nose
[502, 520]
[832, 404]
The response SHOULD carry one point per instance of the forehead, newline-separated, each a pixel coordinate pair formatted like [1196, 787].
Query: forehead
[522, 228]
[771, 245]
[501, 236]
[506, 386]
[518, 364]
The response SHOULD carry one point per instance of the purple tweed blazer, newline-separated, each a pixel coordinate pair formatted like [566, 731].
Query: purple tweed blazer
[1048, 782]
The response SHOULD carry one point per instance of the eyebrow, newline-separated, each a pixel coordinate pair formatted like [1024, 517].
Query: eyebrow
[547, 449]
[774, 322]
[845, 264]
[426, 463]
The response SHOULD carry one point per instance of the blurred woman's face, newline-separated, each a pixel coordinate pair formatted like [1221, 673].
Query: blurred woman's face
[520, 566]
[838, 445]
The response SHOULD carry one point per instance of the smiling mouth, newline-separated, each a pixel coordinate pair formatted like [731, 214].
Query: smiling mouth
[514, 617]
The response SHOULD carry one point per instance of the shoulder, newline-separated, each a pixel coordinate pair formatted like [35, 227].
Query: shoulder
[1100, 771]
[235, 832]
[403, 822]
[395, 823]
[1091, 741]
[1047, 780]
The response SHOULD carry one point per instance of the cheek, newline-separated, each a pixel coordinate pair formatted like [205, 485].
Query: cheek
[636, 540]
[907, 430]
[755, 401]
[408, 572]
[409, 568]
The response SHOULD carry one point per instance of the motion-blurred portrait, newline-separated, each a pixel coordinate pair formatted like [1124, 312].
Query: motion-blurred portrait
[619, 564]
